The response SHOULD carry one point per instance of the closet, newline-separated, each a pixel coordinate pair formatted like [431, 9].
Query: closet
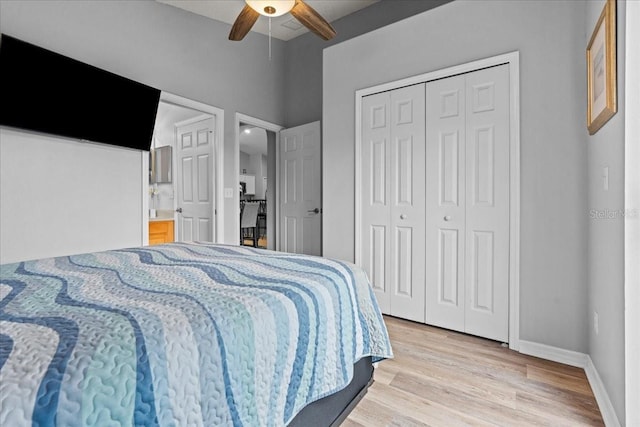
[434, 201]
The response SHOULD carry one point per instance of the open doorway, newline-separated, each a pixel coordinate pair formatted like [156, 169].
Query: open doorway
[184, 194]
[256, 142]
[294, 186]
[253, 188]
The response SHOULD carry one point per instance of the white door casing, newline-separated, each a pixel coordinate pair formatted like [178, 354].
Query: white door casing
[393, 177]
[468, 203]
[196, 193]
[300, 187]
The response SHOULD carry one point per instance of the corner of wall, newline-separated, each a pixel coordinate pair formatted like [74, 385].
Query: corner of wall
[580, 360]
[607, 410]
[605, 249]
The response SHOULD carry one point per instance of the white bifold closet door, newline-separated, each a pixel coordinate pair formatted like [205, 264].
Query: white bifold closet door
[392, 199]
[467, 203]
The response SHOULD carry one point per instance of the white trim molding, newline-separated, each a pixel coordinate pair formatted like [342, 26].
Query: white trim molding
[579, 360]
[218, 167]
[632, 224]
[512, 59]
[144, 161]
[555, 354]
[607, 410]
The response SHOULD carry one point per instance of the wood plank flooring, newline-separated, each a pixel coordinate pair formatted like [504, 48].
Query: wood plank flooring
[444, 378]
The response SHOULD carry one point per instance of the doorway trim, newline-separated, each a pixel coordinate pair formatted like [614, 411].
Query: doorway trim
[632, 225]
[218, 164]
[243, 118]
[512, 59]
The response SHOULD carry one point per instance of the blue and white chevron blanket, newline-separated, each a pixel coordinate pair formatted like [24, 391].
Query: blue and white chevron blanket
[180, 335]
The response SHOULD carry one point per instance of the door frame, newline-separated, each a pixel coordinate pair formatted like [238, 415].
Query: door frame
[243, 118]
[217, 164]
[512, 59]
[632, 226]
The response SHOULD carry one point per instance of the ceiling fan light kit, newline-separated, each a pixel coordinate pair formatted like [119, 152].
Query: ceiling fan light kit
[273, 8]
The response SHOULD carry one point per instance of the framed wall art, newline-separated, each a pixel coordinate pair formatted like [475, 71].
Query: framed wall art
[601, 70]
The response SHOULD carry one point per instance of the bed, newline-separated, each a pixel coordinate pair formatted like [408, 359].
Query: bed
[186, 334]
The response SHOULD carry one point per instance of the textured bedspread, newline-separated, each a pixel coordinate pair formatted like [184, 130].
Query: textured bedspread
[179, 334]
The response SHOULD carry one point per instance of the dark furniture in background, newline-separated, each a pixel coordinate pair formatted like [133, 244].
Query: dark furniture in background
[253, 223]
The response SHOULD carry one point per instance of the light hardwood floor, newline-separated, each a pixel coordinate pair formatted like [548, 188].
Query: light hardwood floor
[444, 378]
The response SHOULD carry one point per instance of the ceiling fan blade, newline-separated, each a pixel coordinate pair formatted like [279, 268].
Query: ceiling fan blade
[243, 24]
[312, 20]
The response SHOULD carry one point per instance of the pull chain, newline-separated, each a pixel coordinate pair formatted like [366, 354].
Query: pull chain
[269, 38]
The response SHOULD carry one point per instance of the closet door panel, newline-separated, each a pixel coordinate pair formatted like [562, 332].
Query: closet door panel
[487, 201]
[376, 261]
[375, 196]
[407, 202]
[445, 199]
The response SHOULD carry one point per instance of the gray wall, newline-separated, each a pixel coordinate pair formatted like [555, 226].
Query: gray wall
[303, 96]
[245, 163]
[606, 236]
[550, 38]
[164, 47]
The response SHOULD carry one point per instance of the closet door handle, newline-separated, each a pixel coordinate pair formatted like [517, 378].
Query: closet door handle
[403, 216]
[447, 218]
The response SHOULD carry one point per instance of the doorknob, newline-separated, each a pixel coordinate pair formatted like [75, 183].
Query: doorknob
[315, 211]
[403, 216]
[447, 218]
[179, 210]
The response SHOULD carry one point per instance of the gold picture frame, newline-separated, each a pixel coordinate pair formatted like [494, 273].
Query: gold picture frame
[601, 70]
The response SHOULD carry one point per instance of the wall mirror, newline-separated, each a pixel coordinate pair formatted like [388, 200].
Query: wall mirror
[161, 165]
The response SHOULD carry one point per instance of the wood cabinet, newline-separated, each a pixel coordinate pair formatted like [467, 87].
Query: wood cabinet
[160, 232]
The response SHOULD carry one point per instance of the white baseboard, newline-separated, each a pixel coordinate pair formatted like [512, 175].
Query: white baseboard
[602, 397]
[555, 354]
[580, 360]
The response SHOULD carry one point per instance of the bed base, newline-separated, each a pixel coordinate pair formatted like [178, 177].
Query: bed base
[332, 410]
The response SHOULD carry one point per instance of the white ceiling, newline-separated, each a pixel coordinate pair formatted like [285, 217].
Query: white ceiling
[284, 27]
[254, 142]
[168, 115]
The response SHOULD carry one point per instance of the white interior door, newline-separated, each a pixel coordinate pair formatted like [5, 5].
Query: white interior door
[487, 204]
[468, 203]
[393, 178]
[195, 145]
[301, 190]
[445, 200]
[375, 198]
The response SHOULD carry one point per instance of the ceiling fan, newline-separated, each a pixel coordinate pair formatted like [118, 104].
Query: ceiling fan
[272, 8]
